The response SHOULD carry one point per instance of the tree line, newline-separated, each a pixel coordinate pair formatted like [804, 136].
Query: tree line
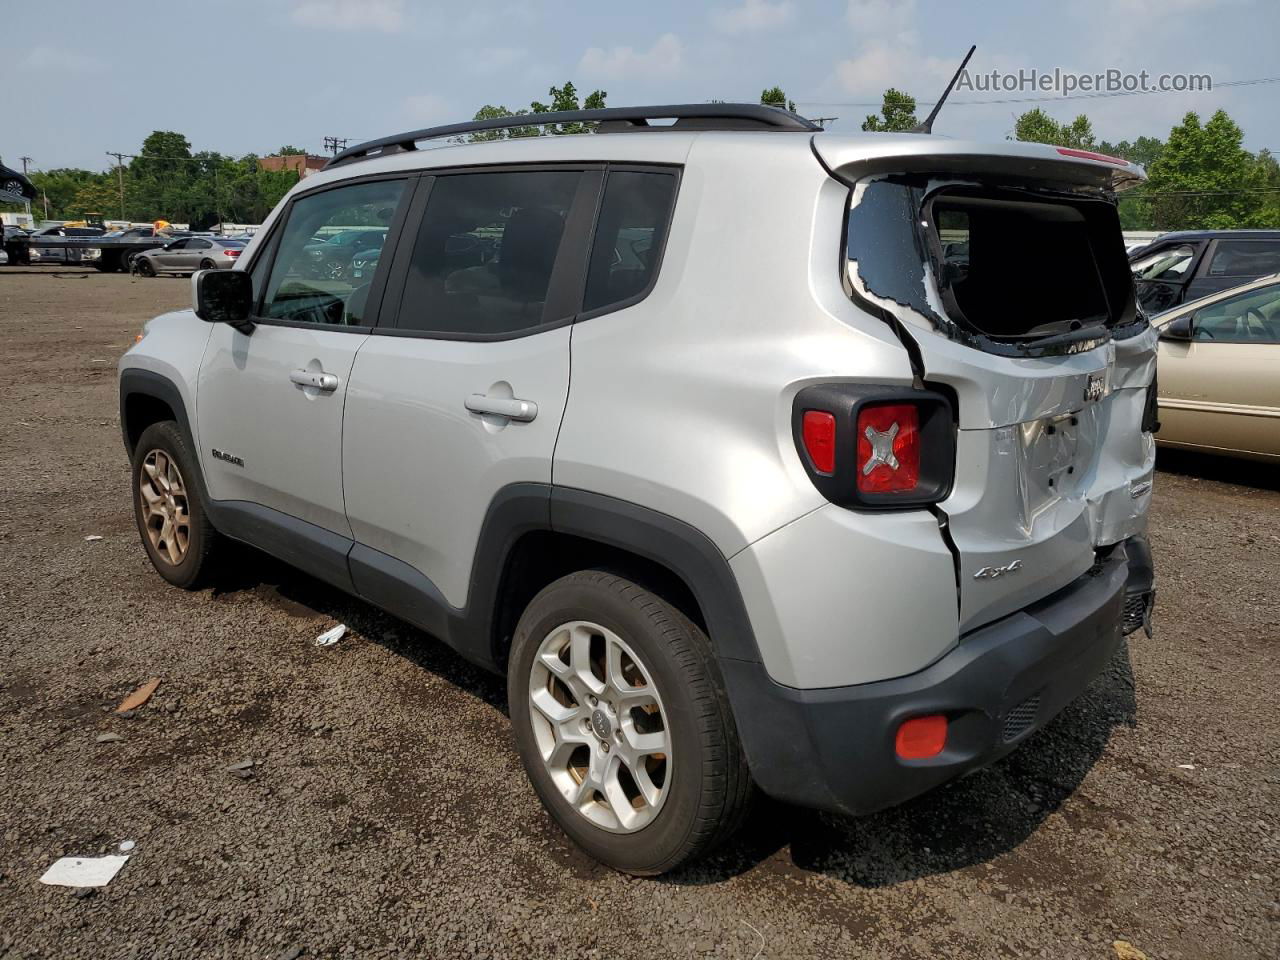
[165, 180]
[1199, 177]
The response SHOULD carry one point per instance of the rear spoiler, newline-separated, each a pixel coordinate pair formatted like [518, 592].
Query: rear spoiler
[851, 158]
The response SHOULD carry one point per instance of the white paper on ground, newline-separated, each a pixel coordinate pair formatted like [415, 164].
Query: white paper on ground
[330, 637]
[83, 871]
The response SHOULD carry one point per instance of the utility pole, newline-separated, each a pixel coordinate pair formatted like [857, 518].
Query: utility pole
[334, 144]
[25, 161]
[119, 170]
[823, 121]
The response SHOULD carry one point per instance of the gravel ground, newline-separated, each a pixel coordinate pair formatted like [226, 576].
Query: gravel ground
[386, 814]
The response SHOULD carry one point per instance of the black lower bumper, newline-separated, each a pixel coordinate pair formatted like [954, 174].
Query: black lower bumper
[833, 748]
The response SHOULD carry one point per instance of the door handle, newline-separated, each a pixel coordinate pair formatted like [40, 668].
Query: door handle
[327, 382]
[509, 407]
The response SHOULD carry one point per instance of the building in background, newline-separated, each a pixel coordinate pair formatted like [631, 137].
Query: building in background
[303, 164]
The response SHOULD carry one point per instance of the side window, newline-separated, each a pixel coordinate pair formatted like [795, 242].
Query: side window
[179, 244]
[630, 233]
[485, 251]
[312, 279]
[1245, 258]
[199, 244]
[1252, 317]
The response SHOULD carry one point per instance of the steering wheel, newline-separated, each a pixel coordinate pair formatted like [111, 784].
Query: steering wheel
[1254, 316]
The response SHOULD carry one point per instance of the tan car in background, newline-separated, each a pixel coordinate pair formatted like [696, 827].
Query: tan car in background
[1219, 372]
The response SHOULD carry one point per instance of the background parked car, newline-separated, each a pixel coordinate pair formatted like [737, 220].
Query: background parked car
[1186, 265]
[16, 184]
[55, 255]
[329, 258]
[1219, 373]
[189, 254]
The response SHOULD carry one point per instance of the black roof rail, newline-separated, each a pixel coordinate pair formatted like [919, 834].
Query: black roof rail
[687, 116]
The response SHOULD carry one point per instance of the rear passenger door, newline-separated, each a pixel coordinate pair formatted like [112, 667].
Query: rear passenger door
[460, 392]
[1230, 263]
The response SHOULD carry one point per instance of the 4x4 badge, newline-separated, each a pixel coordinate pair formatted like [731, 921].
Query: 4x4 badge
[1094, 389]
[990, 573]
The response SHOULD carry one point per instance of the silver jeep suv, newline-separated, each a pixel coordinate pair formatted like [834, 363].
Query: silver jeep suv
[755, 457]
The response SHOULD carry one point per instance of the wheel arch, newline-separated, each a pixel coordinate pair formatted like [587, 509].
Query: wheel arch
[559, 530]
[147, 397]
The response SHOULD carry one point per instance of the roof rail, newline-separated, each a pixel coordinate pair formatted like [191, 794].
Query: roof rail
[697, 116]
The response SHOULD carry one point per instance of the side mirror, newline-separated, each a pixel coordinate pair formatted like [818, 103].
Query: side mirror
[1177, 330]
[223, 296]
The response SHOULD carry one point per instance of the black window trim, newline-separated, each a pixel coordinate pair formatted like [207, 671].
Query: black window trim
[1211, 254]
[378, 288]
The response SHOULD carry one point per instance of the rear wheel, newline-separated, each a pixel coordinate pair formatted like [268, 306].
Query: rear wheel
[127, 260]
[169, 507]
[208, 265]
[623, 724]
[144, 266]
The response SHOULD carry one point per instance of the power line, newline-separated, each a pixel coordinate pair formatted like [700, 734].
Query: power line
[334, 144]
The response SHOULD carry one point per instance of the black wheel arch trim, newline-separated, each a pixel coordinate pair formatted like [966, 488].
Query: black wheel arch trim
[136, 382]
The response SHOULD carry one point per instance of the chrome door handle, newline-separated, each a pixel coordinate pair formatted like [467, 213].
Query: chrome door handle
[509, 407]
[327, 382]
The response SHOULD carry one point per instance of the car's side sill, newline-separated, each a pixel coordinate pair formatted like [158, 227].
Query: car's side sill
[311, 548]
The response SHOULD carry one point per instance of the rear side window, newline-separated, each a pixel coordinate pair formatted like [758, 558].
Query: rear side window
[485, 251]
[630, 234]
[1245, 258]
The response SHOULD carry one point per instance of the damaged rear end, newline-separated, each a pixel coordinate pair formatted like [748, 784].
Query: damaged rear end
[1003, 272]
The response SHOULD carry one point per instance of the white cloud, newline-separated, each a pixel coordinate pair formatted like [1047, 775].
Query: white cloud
[489, 60]
[879, 66]
[665, 56]
[881, 18]
[384, 15]
[59, 59]
[752, 15]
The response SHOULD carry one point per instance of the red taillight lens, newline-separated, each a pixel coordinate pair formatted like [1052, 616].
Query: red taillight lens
[921, 737]
[888, 458]
[819, 434]
[232, 253]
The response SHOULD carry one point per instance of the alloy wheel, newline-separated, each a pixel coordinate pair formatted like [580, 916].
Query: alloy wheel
[166, 513]
[600, 726]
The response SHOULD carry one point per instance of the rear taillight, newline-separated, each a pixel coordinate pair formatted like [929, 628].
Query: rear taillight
[888, 448]
[876, 448]
[232, 253]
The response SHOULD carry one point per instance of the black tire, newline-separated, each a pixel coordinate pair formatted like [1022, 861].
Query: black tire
[144, 266]
[710, 787]
[204, 544]
[208, 265]
[126, 260]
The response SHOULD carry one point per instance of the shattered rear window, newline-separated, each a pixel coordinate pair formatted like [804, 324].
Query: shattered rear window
[998, 267]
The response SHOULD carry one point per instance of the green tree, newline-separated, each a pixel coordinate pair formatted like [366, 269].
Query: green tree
[775, 97]
[1036, 126]
[288, 151]
[897, 112]
[562, 98]
[1204, 178]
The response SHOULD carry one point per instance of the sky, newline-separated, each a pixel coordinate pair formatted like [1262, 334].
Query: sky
[82, 77]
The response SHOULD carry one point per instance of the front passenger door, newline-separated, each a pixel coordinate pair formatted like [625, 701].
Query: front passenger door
[270, 401]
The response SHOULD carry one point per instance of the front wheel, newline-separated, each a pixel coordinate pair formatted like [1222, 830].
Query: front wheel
[623, 725]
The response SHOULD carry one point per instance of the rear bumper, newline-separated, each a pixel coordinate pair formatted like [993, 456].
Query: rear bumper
[833, 748]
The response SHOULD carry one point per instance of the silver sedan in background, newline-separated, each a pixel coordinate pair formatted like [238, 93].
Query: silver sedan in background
[189, 254]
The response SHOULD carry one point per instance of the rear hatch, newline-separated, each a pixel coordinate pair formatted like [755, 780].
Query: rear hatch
[1004, 273]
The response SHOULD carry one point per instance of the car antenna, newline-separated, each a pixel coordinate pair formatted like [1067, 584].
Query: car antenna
[927, 126]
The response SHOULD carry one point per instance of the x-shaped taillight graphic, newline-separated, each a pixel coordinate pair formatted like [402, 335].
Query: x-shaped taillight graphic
[881, 448]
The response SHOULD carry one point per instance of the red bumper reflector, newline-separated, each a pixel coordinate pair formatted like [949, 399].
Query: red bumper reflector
[921, 737]
[819, 433]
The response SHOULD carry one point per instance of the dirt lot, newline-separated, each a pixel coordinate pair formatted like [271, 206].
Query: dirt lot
[387, 815]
